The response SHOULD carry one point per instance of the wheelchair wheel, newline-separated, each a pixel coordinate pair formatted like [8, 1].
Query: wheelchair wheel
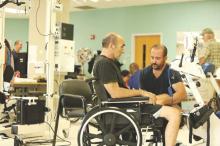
[109, 127]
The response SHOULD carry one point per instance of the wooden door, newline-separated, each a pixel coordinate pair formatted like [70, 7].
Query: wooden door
[143, 45]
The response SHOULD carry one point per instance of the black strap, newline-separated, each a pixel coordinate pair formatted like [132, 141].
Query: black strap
[8, 73]
[190, 131]
[168, 74]
[170, 90]
[208, 132]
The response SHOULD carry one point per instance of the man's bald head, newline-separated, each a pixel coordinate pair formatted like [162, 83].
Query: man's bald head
[18, 46]
[113, 45]
[111, 38]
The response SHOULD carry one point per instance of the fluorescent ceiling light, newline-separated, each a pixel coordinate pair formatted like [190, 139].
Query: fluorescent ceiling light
[94, 1]
[83, 1]
[14, 11]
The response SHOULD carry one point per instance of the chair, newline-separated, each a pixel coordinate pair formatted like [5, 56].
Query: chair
[74, 94]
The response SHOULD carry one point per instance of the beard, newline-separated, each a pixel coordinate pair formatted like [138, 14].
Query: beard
[157, 66]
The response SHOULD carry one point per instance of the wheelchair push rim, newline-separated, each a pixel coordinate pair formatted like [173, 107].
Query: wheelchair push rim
[110, 132]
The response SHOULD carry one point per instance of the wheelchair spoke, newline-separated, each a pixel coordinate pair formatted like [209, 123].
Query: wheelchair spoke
[92, 139]
[113, 123]
[92, 136]
[98, 143]
[124, 129]
[123, 142]
[130, 136]
[101, 125]
[101, 144]
[86, 142]
[95, 125]
[109, 126]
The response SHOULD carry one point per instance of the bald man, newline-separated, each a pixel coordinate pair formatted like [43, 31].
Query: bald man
[16, 50]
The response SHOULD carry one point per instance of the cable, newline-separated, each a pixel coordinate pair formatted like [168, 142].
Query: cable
[43, 142]
[38, 7]
[59, 1]
[57, 135]
[4, 3]
[7, 1]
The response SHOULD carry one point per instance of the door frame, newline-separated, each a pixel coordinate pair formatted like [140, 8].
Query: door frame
[141, 34]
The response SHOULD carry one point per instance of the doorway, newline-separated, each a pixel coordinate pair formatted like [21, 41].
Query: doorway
[142, 45]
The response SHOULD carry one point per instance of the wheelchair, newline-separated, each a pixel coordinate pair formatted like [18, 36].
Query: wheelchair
[110, 122]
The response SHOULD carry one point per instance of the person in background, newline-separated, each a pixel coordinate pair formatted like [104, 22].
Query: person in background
[134, 81]
[126, 76]
[16, 50]
[9, 60]
[91, 62]
[118, 64]
[8, 68]
[109, 75]
[211, 53]
[211, 49]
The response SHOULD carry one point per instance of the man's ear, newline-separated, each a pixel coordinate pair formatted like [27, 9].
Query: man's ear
[112, 46]
[165, 58]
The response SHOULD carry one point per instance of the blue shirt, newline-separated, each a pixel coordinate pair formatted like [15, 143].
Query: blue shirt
[134, 81]
[8, 61]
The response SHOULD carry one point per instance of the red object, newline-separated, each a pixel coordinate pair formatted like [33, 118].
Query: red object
[92, 37]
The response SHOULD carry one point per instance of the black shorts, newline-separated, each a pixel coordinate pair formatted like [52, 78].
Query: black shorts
[150, 109]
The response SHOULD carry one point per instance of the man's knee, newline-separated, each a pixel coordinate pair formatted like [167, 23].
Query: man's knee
[170, 113]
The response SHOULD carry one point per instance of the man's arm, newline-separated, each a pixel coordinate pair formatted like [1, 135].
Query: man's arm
[117, 92]
[202, 60]
[5, 61]
[178, 96]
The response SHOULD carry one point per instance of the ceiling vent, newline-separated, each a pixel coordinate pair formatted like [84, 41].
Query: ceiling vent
[85, 7]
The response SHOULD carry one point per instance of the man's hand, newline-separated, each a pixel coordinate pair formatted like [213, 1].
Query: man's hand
[202, 60]
[152, 97]
[17, 74]
[163, 99]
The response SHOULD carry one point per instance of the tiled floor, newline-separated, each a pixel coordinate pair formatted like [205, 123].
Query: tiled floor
[184, 134]
[72, 132]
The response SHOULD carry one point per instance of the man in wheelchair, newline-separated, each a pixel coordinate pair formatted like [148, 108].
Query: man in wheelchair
[108, 74]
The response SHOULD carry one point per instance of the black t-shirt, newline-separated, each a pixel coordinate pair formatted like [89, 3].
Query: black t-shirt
[16, 60]
[106, 71]
[158, 85]
[8, 73]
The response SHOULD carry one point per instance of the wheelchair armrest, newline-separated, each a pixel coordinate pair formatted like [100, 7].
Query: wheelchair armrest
[72, 101]
[134, 99]
[74, 106]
